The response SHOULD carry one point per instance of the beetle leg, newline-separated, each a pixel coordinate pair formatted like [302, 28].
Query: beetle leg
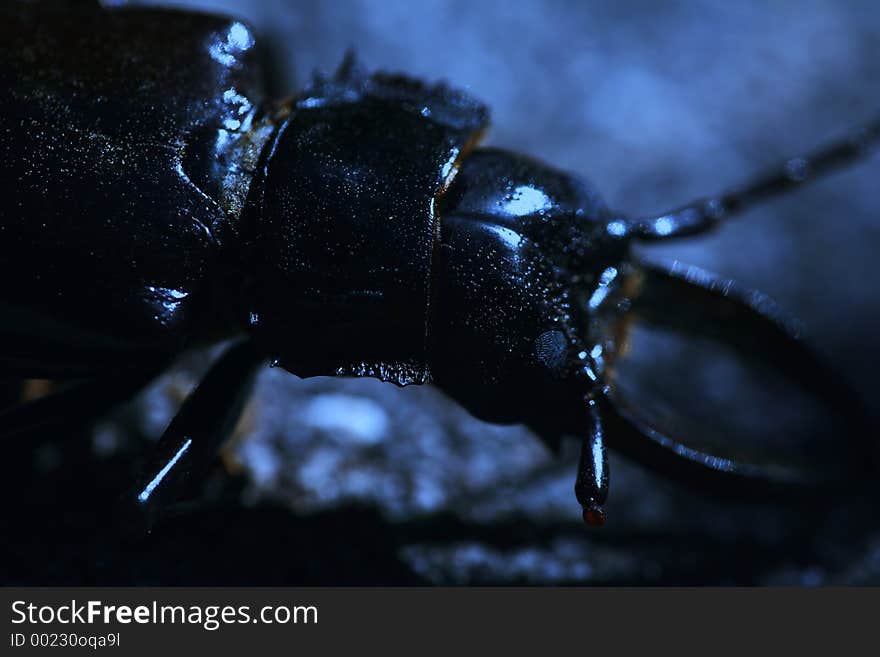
[203, 423]
[686, 301]
[704, 214]
[580, 417]
[591, 485]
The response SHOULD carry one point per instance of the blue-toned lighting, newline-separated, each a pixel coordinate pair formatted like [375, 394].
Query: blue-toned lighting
[607, 276]
[527, 200]
[664, 226]
[146, 492]
[510, 237]
[598, 297]
[447, 168]
[616, 228]
[238, 39]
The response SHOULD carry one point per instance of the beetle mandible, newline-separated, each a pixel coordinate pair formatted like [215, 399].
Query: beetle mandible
[158, 201]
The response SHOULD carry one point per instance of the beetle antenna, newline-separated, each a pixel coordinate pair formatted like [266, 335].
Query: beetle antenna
[704, 214]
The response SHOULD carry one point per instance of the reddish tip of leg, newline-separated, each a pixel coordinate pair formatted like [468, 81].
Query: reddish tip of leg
[594, 516]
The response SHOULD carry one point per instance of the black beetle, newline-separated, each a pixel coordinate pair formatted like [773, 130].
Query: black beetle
[157, 201]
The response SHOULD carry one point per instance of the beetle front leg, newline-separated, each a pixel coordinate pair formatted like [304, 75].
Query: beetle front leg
[591, 486]
[201, 426]
[581, 417]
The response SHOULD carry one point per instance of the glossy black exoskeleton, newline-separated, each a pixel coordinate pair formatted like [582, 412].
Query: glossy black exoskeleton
[155, 200]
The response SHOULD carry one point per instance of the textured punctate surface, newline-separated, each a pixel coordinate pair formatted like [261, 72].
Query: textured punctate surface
[342, 226]
[116, 129]
[655, 104]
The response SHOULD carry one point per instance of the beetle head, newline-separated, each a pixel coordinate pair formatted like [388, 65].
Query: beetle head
[524, 263]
